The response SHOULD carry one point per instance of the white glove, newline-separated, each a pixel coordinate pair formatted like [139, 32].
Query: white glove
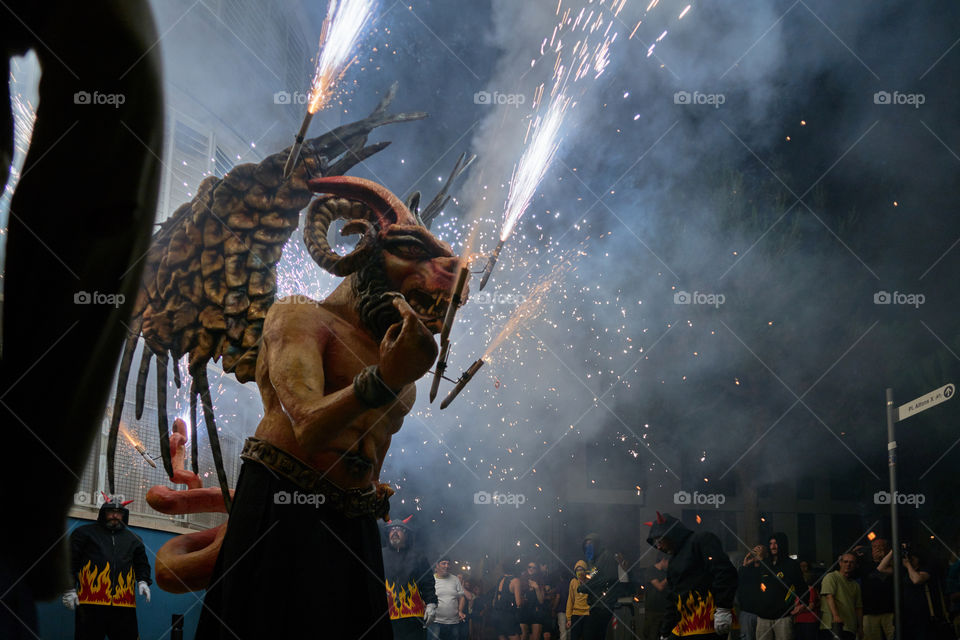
[70, 599]
[430, 614]
[144, 590]
[722, 621]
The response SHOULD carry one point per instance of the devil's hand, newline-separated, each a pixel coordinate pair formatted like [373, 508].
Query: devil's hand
[407, 350]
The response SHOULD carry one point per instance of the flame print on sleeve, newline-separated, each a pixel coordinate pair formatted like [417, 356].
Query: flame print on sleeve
[696, 616]
[96, 587]
[404, 602]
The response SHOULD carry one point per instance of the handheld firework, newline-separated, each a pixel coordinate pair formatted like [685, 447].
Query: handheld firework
[455, 300]
[465, 377]
[143, 452]
[491, 263]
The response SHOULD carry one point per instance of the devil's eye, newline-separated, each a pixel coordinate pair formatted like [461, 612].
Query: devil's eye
[413, 251]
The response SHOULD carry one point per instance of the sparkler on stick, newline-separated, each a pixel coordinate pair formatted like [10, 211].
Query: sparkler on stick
[461, 383]
[341, 30]
[445, 331]
[136, 445]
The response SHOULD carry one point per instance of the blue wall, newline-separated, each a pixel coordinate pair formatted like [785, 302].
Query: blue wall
[56, 621]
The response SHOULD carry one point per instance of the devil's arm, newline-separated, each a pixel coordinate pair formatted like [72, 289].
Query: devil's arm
[293, 345]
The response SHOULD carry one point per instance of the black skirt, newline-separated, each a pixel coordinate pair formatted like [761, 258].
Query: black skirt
[292, 567]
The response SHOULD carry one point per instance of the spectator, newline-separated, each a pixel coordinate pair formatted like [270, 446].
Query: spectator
[953, 594]
[748, 590]
[506, 602]
[779, 588]
[530, 613]
[577, 607]
[877, 588]
[473, 608]
[806, 612]
[918, 610]
[552, 590]
[699, 575]
[843, 615]
[655, 598]
[603, 575]
[450, 602]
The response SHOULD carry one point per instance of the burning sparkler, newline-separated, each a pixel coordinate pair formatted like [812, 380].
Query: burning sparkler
[136, 445]
[341, 30]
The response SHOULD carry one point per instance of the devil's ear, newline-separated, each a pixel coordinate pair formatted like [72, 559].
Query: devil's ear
[413, 203]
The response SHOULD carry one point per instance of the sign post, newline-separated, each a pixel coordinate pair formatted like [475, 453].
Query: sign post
[903, 412]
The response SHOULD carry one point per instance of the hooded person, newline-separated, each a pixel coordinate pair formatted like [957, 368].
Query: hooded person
[782, 583]
[701, 581]
[599, 585]
[109, 566]
[411, 595]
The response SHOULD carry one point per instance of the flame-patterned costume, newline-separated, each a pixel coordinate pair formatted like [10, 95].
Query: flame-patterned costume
[107, 563]
[700, 579]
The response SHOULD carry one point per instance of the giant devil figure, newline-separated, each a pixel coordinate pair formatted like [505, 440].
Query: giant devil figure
[301, 551]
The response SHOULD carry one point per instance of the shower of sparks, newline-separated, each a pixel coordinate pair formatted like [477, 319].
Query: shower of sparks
[342, 28]
[533, 165]
[533, 305]
[129, 436]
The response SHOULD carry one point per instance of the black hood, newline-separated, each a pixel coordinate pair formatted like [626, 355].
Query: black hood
[783, 544]
[113, 505]
[666, 526]
[399, 524]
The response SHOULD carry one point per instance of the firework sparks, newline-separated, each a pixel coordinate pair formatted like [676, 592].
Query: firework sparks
[345, 21]
[533, 164]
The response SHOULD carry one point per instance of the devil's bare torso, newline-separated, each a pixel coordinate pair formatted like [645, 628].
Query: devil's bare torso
[350, 455]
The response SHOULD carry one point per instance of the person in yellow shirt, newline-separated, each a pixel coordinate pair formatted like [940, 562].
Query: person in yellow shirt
[577, 607]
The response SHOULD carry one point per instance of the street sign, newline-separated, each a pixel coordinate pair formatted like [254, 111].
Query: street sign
[923, 403]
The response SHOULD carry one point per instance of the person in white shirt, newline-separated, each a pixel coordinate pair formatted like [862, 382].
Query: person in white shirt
[450, 601]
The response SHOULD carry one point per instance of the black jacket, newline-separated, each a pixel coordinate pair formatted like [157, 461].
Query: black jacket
[602, 584]
[409, 581]
[782, 583]
[107, 565]
[700, 578]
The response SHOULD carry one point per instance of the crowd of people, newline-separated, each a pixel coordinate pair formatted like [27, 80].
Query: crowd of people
[691, 588]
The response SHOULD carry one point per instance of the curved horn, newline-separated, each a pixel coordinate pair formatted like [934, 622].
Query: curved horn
[322, 212]
[365, 203]
[388, 207]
